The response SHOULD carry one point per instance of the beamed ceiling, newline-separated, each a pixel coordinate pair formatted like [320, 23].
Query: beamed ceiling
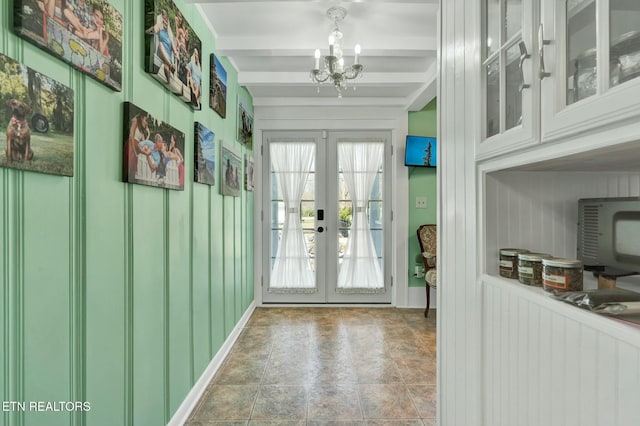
[271, 44]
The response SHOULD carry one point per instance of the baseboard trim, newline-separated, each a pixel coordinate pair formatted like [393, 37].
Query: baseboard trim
[181, 415]
[417, 298]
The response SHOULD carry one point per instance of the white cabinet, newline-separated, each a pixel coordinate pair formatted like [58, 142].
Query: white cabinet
[509, 84]
[582, 74]
[591, 57]
[518, 349]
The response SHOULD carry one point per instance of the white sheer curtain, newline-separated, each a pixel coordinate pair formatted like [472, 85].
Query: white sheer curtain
[292, 163]
[360, 271]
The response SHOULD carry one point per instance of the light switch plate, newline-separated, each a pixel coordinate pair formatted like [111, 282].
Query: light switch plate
[421, 202]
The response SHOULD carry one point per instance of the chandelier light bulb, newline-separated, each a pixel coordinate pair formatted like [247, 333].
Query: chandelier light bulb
[357, 59]
[317, 56]
[358, 49]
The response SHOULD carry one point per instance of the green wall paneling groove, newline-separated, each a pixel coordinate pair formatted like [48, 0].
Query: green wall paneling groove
[112, 293]
[422, 183]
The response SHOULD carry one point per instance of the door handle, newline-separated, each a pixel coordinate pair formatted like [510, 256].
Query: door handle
[541, 43]
[524, 55]
[320, 229]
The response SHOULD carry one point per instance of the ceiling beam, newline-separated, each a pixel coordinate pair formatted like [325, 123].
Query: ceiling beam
[314, 1]
[276, 46]
[328, 101]
[388, 79]
[308, 52]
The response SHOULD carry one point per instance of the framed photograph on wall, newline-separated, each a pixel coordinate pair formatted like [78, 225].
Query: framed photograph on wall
[84, 33]
[37, 114]
[248, 172]
[153, 150]
[173, 51]
[205, 155]
[245, 125]
[231, 170]
[218, 87]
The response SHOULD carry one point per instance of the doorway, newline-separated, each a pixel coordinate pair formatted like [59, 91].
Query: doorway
[326, 219]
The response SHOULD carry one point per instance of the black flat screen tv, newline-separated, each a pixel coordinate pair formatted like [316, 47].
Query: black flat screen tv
[420, 151]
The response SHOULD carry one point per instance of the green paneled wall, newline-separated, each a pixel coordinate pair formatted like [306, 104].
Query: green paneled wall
[422, 183]
[112, 293]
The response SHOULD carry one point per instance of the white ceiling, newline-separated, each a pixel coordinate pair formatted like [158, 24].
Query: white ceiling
[271, 44]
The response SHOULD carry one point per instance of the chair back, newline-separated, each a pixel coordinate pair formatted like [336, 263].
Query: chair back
[427, 237]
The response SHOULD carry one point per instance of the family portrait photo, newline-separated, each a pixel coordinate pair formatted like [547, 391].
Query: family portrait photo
[245, 125]
[153, 150]
[248, 173]
[231, 169]
[218, 87]
[205, 167]
[84, 33]
[36, 113]
[173, 51]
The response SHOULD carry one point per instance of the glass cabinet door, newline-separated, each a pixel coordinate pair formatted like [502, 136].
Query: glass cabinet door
[582, 70]
[624, 40]
[589, 64]
[509, 89]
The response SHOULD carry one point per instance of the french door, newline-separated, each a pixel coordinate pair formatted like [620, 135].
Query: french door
[325, 219]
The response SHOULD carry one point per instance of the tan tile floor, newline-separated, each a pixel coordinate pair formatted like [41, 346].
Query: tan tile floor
[327, 366]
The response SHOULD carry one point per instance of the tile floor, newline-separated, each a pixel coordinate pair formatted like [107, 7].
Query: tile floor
[319, 366]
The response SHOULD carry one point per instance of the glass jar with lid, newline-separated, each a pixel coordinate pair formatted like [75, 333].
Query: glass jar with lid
[585, 79]
[559, 275]
[626, 51]
[509, 262]
[530, 268]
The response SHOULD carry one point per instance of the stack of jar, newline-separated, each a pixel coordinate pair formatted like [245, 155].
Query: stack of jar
[541, 269]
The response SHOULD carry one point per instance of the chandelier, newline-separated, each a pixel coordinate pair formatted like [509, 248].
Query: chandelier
[333, 66]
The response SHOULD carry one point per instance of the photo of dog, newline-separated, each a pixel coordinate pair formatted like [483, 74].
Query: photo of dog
[38, 114]
[18, 133]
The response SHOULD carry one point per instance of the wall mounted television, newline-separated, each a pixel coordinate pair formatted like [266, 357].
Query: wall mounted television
[420, 151]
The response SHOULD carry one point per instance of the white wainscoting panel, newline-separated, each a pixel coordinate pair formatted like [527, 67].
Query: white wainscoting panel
[459, 310]
[547, 363]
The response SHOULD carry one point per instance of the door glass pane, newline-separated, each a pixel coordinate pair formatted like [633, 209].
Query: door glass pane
[625, 40]
[360, 216]
[513, 99]
[376, 234]
[345, 217]
[292, 217]
[308, 221]
[492, 20]
[493, 97]
[514, 17]
[582, 75]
